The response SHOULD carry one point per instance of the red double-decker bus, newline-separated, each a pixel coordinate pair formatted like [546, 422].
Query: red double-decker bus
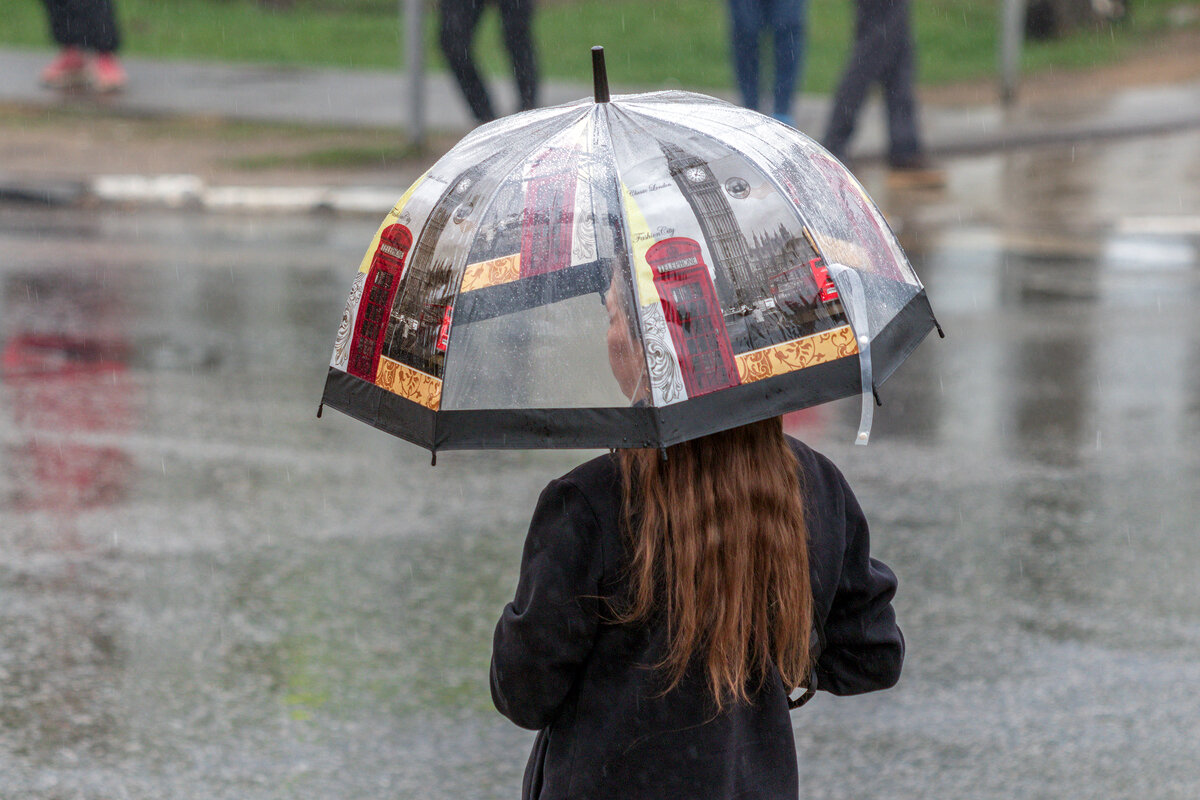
[802, 281]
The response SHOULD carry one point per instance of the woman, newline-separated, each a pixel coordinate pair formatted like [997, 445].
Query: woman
[667, 607]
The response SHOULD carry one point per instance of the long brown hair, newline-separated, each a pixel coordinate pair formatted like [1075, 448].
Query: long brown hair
[718, 546]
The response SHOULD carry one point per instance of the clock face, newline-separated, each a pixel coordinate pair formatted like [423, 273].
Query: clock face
[695, 174]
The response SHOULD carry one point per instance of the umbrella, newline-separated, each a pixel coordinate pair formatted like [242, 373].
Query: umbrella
[626, 271]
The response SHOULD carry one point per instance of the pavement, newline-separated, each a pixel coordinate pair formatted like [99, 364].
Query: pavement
[362, 99]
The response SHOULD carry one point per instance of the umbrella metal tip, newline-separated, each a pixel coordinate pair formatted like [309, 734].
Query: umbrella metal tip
[599, 74]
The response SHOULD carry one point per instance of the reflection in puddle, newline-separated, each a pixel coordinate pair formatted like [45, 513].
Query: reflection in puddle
[65, 383]
[59, 386]
[64, 370]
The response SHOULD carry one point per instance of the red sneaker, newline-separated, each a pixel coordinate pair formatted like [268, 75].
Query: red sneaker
[67, 70]
[107, 74]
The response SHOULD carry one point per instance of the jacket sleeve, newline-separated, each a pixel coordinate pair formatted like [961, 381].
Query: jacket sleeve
[863, 646]
[545, 634]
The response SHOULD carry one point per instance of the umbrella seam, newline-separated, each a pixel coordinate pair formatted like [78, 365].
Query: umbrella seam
[631, 257]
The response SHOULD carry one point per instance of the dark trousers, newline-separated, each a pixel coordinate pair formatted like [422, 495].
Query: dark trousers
[89, 24]
[459, 20]
[786, 20]
[883, 53]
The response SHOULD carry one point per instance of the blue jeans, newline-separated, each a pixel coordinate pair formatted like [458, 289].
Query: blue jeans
[786, 20]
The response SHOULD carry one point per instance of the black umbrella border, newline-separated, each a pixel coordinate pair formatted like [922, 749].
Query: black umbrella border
[636, 426]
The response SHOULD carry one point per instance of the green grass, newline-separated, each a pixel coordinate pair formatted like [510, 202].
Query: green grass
[649, 42]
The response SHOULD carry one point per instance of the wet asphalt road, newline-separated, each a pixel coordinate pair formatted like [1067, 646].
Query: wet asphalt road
[207, 593]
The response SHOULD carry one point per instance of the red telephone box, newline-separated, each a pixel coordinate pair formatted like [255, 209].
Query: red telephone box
[546, 225]
[379, 291]
[693, 315]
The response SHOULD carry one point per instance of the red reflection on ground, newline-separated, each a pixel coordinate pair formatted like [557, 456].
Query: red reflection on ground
[62, 386]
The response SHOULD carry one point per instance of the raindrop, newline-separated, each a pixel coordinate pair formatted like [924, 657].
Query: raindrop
[1097, 441]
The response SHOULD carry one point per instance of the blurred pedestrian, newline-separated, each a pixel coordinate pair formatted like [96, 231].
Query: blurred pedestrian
[458, 23]
[669, 603]
[86, 30]
[882, 54]
[785, 19]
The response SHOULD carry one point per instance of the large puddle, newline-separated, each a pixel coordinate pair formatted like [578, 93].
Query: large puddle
[210, 594]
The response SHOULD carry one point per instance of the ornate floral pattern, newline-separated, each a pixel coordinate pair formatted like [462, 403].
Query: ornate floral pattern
[505, 269]
[410, 384]
[584, 247]
[796, 354]
[666, 380]
[341, 344]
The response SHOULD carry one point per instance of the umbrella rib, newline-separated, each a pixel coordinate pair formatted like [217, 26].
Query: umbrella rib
[614, 108]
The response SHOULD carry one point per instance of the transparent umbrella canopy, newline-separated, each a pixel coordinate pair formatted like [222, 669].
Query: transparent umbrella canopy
[632, 271]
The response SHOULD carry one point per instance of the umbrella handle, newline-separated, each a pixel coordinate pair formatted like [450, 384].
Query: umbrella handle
[855, 304]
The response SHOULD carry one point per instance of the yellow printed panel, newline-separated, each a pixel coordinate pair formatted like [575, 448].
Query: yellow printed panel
[643, 240]
[410, 384]
[505, 269]
[796, 354]
[391, 219]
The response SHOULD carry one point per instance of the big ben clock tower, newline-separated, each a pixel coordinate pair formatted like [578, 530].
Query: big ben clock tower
[725, 239]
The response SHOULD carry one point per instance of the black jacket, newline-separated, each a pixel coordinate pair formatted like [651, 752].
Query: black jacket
[606, 728]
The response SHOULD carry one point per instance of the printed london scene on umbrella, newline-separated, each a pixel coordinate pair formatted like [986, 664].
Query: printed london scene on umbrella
[478, 315]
